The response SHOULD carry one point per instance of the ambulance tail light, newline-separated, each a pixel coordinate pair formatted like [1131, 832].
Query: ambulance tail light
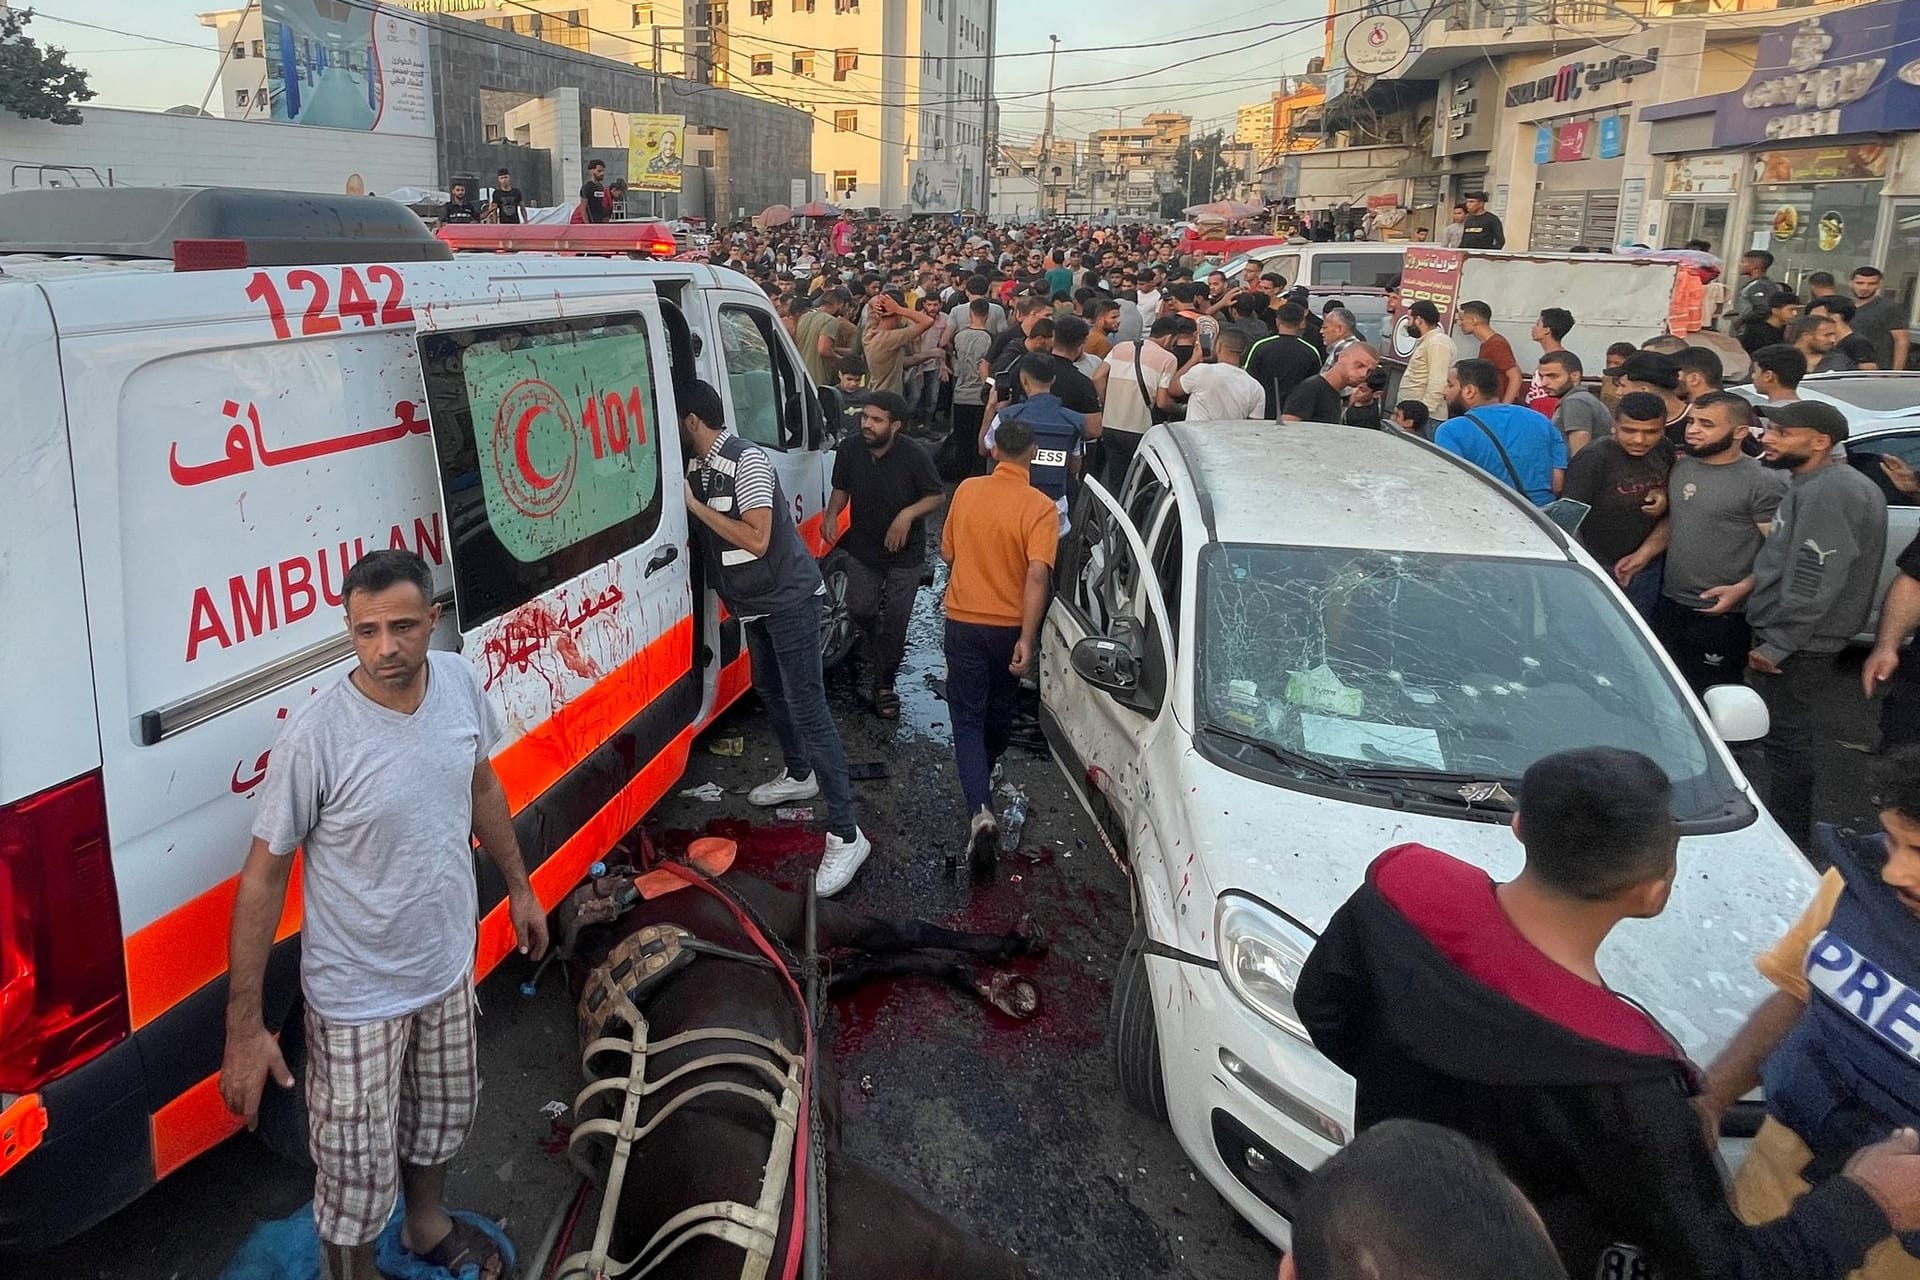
[63, 987]
[209, 255]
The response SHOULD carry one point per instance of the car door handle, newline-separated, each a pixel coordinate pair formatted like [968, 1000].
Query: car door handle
[661, 559]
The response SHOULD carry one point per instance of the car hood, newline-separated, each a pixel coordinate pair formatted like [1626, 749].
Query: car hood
[1692, 966]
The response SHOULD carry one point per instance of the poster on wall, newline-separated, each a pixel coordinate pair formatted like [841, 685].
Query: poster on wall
[654, 160]
[338, 66]
[1820, 164]
[1703, 175]
[934, 187]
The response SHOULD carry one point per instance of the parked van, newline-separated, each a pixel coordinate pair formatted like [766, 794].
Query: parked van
[220, 400]
[1363, 264]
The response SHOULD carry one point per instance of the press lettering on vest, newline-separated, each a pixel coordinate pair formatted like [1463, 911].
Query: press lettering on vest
[1858, 985]
[1050, 457]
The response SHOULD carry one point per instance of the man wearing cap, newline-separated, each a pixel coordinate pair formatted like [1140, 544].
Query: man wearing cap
[1811, 590]
[1482, 229]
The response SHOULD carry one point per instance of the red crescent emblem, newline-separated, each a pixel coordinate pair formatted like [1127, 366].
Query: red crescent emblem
[521, 431]
[534, 493]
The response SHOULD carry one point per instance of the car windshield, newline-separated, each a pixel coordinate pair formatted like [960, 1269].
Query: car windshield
[1385, 665]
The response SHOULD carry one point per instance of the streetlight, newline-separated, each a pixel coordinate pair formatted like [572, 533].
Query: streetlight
[1046, 134]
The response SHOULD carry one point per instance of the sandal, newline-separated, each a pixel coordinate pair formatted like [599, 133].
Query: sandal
[467, 1246]
[886, 704]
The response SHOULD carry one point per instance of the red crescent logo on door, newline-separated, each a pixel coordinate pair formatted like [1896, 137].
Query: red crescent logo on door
[533, 411]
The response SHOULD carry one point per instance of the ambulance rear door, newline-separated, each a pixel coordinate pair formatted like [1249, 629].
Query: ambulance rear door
[559, 467]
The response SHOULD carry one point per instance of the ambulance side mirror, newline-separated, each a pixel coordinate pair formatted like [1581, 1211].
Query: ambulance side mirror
[1737, 713]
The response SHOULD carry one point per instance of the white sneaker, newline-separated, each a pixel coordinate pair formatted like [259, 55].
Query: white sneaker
[783, 788]
[841, 862]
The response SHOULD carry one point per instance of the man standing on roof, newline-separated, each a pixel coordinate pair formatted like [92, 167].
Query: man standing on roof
[507, 198]
[1481, 228]
[593, 194]
[383, 779]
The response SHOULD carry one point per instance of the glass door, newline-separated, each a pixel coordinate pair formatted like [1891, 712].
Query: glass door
[1698, 220]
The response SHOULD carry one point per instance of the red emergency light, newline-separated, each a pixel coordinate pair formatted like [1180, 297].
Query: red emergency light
[604, 239]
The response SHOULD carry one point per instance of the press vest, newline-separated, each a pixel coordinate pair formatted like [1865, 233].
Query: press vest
[752, 586]
[1849, 1071]
[1056, 431]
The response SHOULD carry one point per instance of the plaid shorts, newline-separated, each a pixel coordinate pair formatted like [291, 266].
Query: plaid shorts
[379, 1093]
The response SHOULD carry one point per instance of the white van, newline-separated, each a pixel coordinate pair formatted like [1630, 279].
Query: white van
[220, 400]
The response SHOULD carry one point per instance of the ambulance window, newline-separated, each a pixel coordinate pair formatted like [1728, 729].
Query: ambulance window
[765, 404]
[549, 452]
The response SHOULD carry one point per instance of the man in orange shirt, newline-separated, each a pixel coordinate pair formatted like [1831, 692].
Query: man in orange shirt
[1000, 537]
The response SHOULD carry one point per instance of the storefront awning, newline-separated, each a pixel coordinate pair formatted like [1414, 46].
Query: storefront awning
[1849, 71]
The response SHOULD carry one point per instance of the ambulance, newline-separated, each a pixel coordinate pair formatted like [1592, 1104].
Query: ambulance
[219, 400]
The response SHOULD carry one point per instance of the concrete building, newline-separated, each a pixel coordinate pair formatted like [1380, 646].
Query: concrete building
[1130, 165]
[242, 94]
[891, 84]
[1253, 123]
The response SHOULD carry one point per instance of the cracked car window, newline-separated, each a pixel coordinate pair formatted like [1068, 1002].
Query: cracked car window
[1365, 659]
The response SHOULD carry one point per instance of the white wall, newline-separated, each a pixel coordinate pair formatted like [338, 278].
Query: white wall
[148, 149]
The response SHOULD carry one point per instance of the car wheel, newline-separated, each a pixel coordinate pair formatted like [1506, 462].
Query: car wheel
[1135, 1038]
[283, 1112]
[836, 621]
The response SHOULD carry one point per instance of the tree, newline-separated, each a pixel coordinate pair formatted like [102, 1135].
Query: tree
[1199, 175]
[34, 82]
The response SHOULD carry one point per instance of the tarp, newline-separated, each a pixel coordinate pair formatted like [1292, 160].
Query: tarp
[289, 1249]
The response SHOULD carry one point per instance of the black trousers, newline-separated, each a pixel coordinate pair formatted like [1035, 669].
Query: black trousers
[1787, 751]
[1709, 648]
[880, 598]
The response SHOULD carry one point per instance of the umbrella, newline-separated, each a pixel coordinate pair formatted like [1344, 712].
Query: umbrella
[1225, 209]
[775, 215]
[818, 209]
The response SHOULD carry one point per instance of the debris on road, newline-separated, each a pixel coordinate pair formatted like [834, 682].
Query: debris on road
[554, 1110]
[734, 746]
[794, 813]
[705, 791]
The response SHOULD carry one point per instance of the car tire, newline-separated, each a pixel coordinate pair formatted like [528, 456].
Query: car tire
[283, 1112]
[836, 621]
[1131, 1029]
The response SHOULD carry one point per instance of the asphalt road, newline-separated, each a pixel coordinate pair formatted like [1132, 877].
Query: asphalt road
[1014, 1130]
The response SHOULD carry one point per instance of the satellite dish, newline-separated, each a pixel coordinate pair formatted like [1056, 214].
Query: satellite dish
[1378, 44]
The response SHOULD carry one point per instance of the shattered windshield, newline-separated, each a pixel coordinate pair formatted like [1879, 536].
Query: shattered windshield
[1377, 665]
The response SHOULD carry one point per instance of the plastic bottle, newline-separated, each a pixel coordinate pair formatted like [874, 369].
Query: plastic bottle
[1012, 820]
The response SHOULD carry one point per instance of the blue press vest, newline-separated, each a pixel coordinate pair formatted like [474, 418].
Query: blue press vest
[752, 586]
[1849, 1071]
[1057, 430]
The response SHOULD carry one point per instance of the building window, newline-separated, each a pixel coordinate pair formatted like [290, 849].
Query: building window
[803, 63]
[846, 6]
[846, 122]
[844, 181]
[259, 50]
[763, 8]
[803, 6]
[567, 29]
[763, 64]
[259, 99]
[239, 51]
[940, 9]
[845, 60]
[241, 97]
[643, 15]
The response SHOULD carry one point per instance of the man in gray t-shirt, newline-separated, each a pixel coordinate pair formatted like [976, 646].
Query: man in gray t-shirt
[1581, 415]
[382, 780]
[1720, 505]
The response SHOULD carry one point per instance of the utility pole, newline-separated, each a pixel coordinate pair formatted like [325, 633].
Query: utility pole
[1046, 134]
[989, 118]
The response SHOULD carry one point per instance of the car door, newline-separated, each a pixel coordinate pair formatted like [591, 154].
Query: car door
[1903, 510]
[558, 460]
[771, 401]
[1106, 588]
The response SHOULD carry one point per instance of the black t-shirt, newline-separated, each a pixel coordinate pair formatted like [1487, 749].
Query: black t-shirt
[1009, 340]
[880, 489]
[1857, 350]
[1909, 560]
[1615, 484]
[1482, 231]
[507, 202]
[593, 201]
[459, 211]
[1755, 334]
[1314, 400]
[1074, 388]
[1363, 415]
[1281, 364]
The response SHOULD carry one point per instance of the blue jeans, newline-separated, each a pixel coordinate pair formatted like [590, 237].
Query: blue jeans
[981, 697]
[1643, 592]
[923, 389]
[784, 649]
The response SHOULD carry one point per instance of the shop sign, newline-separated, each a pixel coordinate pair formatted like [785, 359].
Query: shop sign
[1820, 164]
[1828, 75]
[1543, 144]
[1613, 136]
[1571, 141]
[1567, 82]
[1383, 202]
[1703, 175]
[1430, 272]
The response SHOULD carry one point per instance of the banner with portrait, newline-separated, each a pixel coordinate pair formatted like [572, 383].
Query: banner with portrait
[655, 146]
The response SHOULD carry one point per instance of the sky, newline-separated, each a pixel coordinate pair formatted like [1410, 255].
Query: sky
[1222, 73]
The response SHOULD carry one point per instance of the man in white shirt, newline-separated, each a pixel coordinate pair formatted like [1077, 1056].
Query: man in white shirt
[1426, 377]
[1147, 296]
[1223, 391]
[1133, 383]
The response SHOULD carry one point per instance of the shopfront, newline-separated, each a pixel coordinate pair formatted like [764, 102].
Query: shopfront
[1700, 192]
[1809, 151]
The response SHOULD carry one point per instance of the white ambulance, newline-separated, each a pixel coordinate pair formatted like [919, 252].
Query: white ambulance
[220, 400]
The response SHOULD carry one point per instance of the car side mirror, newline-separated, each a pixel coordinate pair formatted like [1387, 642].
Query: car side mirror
[1737, 713]
[1107, 664]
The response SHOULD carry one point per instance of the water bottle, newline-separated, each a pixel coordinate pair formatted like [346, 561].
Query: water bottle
[1012, 820]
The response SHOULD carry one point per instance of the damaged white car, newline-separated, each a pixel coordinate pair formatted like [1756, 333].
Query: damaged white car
[1279, 652]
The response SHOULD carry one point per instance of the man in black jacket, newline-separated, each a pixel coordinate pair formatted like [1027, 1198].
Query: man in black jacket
[1480, 1007]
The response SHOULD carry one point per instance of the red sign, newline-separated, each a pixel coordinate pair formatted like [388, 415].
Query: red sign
[1383, 202]
[1430, 273]
[1570, 142]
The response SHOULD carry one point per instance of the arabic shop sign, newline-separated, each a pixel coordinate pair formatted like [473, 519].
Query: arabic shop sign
[1569, 81]
[1836, 73]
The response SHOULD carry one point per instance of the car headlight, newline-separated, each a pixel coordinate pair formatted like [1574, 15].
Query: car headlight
[1261, 955]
